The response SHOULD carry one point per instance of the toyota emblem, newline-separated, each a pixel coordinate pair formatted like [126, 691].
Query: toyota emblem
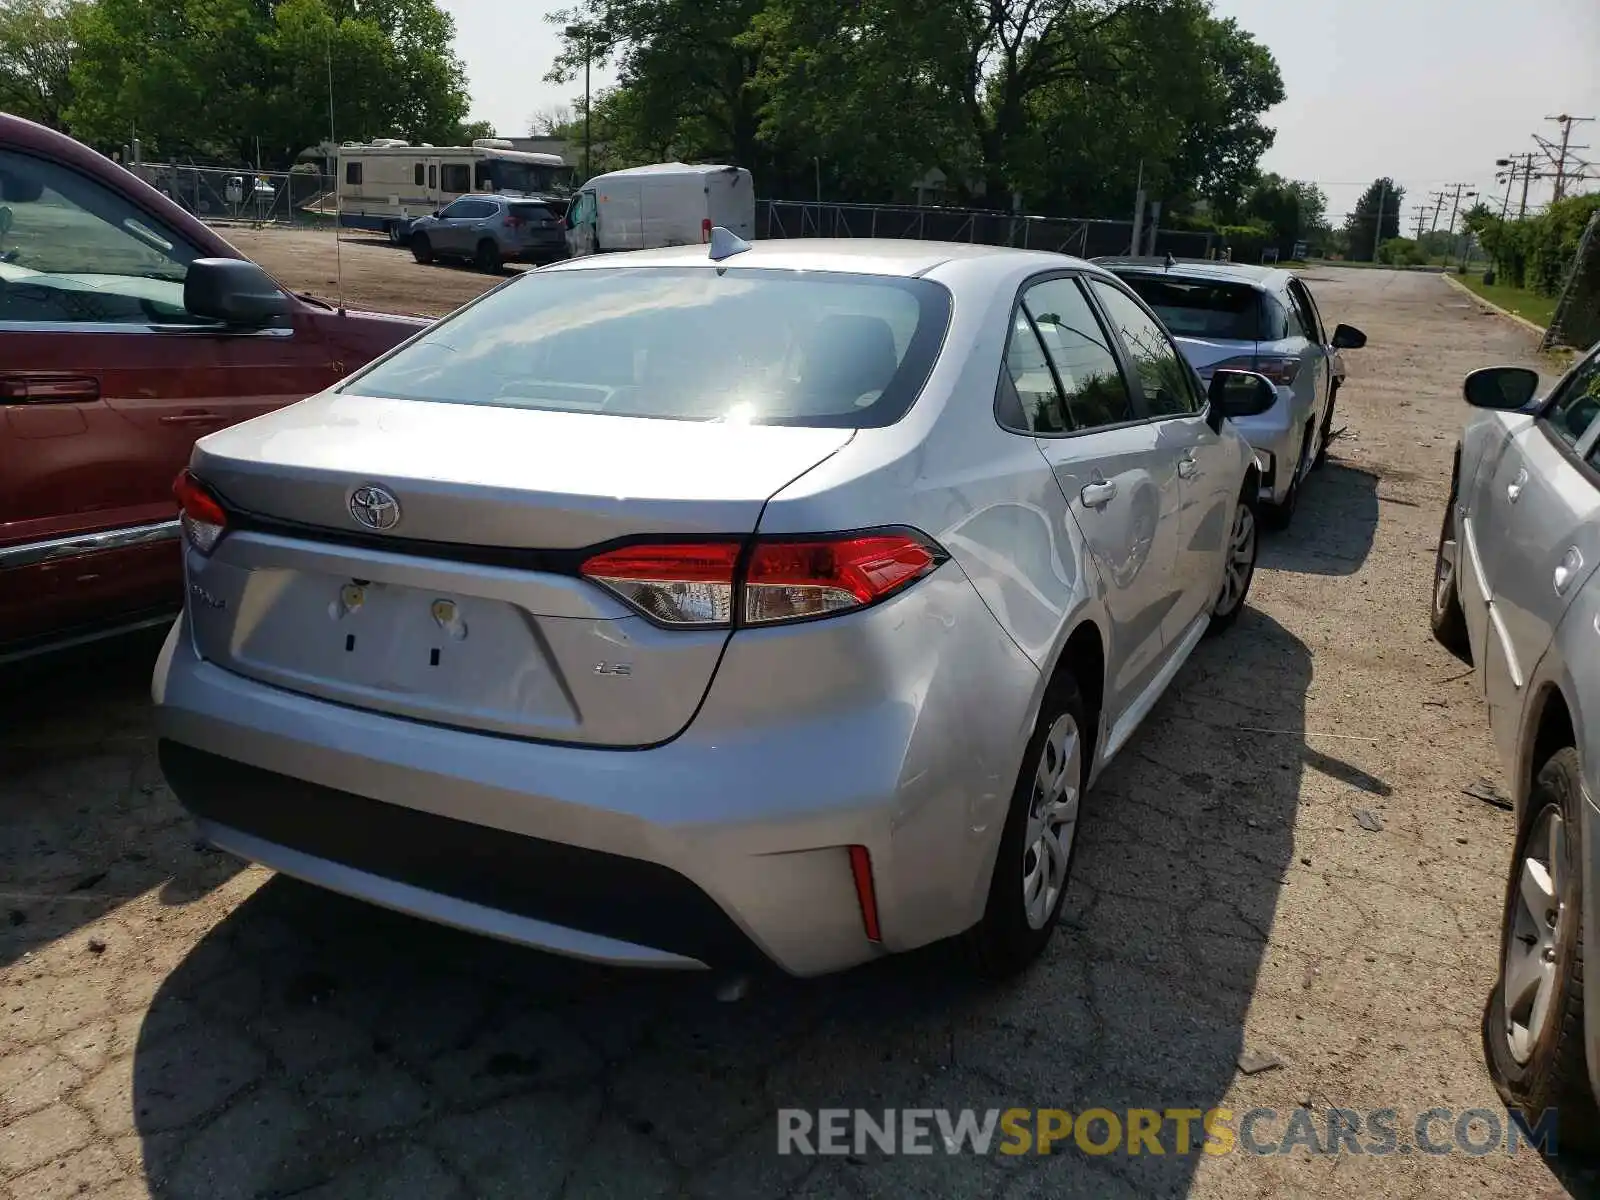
[374, 507]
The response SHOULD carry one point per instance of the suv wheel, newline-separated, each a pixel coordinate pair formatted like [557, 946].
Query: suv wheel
[1533, 1023]
[1239, 564]
[421, 248]
[487, 259]
[1445, 615]
[1034, 863]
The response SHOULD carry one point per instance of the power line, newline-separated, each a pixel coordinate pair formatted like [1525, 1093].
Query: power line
[1559, 156]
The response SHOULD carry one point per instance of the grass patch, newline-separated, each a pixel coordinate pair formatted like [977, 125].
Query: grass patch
[1530, 306]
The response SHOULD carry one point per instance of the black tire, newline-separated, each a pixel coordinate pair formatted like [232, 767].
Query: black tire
[1278, 516]
[1445, 615]
[1321, 459]
[487, 258]
[421, 248]
[1555, 1075]
[1246, 510]
[1003, 943]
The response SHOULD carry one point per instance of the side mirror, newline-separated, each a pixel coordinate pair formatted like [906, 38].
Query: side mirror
[1502, 388]
[1348, 337]
[233, 291]
[1241, 393]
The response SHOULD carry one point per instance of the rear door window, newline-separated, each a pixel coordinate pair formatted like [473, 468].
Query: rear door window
[740, 345]
[1092, 385]
[1201, 308]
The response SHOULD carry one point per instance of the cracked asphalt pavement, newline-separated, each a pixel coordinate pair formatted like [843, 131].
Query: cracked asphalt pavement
[174, 1024]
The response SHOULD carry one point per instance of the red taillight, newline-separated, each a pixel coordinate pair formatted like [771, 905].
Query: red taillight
[705, 230]
[204, 521]
[1279, 368]
[861, 870]
[695, 584]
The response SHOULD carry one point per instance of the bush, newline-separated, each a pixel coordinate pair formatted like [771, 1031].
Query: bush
[1536, 253]
[1401, 252]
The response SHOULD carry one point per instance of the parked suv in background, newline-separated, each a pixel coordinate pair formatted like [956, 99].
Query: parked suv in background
[1255, 319]
[127, 330]
[1516, 593]
[489, 231]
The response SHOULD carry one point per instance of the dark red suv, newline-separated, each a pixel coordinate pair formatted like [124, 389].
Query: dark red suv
[127, 330]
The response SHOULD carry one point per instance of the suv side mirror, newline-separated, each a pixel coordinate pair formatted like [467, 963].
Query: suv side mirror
[1348, 337]
[1241, 393]
[1502, 388]
[234, 291]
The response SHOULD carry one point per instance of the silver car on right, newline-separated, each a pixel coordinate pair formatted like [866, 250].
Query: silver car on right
[1236, 316]
[1516, 593]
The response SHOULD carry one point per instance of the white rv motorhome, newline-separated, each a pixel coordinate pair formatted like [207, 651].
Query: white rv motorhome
[386, 184]
[665, 204]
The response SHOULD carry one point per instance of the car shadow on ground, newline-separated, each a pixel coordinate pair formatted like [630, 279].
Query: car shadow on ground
[311, 1044]
[85, 820]
[1333, 527]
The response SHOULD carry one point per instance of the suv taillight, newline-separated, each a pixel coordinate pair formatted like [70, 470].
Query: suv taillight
[204, 522]
[708, 585]
[1279, 368]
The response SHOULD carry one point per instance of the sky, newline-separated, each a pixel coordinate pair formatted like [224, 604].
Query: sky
[1429, 92]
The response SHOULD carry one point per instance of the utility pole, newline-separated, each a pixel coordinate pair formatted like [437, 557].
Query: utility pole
[586, 32]
[1421, 211]
[1514, 166]
[1438, 207]
[1558, 155]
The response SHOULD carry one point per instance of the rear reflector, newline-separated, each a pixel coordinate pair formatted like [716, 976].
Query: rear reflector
[203, 520]
[700, 584]
[861, 869]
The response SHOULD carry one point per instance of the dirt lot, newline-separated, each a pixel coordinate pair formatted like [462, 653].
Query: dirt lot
[175, 1025]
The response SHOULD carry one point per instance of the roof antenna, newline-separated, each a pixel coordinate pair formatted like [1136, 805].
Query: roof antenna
[338, 205]
[725, 244]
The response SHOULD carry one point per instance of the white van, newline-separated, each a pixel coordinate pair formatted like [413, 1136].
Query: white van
[665, 204]
[387, 184]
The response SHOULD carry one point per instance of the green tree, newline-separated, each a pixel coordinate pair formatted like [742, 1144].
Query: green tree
[211, 77]
[1368, 224]
[37, 48]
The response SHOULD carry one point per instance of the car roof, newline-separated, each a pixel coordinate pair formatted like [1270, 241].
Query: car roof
[866, 256]
[1199, 268]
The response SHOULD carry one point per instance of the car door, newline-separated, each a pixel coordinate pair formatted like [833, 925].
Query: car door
[1536, 525]
[106, 380]
[448, 234]
[1314, 365]
[1205, 467]
[1117, 478]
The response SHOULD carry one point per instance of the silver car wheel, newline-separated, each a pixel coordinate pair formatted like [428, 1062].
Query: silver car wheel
[1529, 971]
[1240, 560]
[1052, 820]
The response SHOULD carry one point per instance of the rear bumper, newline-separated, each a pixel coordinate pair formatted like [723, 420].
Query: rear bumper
[726, 846]
[1276, 433]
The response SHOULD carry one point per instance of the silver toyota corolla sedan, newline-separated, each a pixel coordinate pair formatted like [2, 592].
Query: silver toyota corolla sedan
[1264, 319]
[1516, 593]
[711, 606]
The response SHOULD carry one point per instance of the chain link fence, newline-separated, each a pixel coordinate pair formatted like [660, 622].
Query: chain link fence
[1086, 238]
[235, 194]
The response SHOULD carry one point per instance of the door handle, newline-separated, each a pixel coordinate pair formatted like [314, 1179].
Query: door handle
[1514, 489]
[197, 417]
[1099, 492]
[49, 389]
[1188, 468]
[1571, 563]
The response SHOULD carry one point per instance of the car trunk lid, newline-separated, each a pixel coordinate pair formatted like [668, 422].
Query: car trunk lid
[467, 608]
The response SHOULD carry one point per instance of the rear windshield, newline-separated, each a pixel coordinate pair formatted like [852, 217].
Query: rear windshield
[1201, 308]
[692, 344]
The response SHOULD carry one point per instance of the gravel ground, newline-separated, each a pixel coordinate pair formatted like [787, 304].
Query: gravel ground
[173, 1024]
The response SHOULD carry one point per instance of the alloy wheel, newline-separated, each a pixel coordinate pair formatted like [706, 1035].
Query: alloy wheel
[1052, 820]
[1528, 974]
[1240, 560]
